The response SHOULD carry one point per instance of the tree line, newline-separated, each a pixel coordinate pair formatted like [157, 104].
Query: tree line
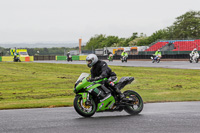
[186, 26]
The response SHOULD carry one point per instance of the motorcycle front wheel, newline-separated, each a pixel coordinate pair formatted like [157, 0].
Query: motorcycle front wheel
[197, 60]
[83, 109]
[137, 105]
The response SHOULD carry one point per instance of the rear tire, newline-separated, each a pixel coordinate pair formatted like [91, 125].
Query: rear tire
[82, 109]
[137, 106]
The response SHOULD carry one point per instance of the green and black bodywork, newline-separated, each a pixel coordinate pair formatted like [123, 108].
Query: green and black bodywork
[95, 96]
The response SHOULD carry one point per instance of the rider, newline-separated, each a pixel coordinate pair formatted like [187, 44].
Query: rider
[99, 70]
[68, 54]
[157, 54]
[15, 55]
[124, 54]
[109, 54]
[194, 51]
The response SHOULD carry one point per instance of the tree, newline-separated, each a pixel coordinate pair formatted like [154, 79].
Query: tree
[187, 25]
[109, 41]
[95, 42]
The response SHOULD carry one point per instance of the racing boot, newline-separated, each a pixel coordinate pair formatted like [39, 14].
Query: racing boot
[121, 95]
[117, 90]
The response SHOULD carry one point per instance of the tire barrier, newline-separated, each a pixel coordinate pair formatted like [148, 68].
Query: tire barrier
[82, 57]
[61, 57]
[31, 58]
[45, 57]
[75, 57]
[26, 59]
[22, 58]
[10, 58]
[7, 58]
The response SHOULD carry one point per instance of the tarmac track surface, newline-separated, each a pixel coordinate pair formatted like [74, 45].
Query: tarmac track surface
[162, 64]
[172, 117]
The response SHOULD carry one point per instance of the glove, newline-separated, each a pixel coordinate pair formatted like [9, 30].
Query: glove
[91, 79]
[97, 78]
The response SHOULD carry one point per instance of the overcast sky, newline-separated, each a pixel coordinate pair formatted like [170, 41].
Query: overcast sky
[68, 20]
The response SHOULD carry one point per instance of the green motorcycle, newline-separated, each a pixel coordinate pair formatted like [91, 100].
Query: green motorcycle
[96, 96]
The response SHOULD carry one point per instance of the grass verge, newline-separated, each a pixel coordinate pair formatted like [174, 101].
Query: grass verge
[34, 85]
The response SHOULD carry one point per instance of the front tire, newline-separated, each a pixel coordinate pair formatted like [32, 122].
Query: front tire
[197, 60]
[137, 106]
[83, 109]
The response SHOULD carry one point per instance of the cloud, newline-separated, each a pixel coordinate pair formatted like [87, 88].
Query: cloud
[64, 20]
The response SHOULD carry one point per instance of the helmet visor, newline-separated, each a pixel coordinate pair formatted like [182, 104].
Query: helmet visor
[89, 63]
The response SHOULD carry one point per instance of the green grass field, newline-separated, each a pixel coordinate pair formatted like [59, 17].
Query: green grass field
[33, 85]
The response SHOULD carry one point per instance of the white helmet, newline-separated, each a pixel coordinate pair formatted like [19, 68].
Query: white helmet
[91, 60]
[195, 49]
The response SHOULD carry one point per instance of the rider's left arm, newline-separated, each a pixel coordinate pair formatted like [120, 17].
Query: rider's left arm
[104, 69]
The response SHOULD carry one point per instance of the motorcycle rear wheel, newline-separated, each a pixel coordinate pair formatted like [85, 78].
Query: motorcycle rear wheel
[197, 60]
[83, 109]
[137, 106]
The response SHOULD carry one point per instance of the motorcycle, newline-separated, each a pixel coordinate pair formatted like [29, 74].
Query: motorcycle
[194, 58]
[110, 57]
[16, 59]
[124, 59]
[155, 58]
[69, 58]
[94, 96]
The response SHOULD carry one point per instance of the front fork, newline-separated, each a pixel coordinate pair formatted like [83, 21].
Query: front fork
[85, 97]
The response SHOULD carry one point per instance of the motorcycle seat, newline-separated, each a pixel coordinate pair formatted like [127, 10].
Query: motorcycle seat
[124, 81]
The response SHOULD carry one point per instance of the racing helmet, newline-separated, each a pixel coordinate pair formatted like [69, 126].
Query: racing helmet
[195, 49]
[91, 59]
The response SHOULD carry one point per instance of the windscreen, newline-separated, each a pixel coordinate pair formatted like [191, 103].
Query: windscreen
[23, 53]
[83, 75]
